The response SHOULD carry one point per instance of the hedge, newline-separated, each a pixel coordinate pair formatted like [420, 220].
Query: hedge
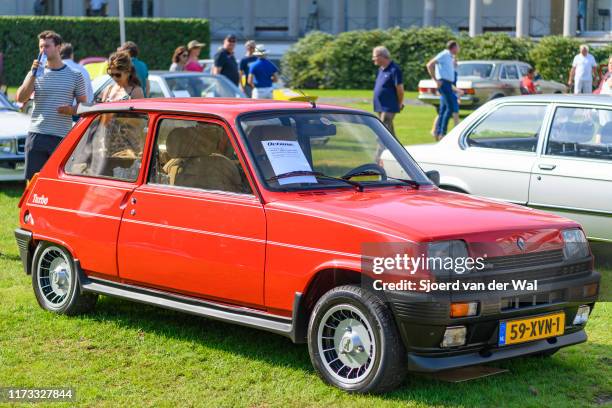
[96, 36]
[344, 61]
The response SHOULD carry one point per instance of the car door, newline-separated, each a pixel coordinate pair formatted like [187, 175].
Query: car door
[498, 152]
[573, 176]
[90, 194]
[509, 77]
[195, 226]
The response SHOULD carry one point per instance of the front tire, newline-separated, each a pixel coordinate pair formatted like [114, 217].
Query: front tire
[354, 343]
[56, 283]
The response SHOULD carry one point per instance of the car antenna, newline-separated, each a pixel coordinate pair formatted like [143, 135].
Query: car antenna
[313, 104]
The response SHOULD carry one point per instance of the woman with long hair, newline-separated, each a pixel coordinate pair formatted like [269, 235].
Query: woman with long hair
[179, 59]
[126, 84]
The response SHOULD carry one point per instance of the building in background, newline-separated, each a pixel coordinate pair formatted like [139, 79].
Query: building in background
[287, 20]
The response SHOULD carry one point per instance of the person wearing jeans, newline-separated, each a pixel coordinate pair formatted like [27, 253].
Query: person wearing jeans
[442, 70]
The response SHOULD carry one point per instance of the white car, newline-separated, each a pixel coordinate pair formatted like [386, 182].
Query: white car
[13, 134]
[165, 84]
[550, 152]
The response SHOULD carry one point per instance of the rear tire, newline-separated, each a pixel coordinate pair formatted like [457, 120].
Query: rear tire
[354, 343]
[56, 283]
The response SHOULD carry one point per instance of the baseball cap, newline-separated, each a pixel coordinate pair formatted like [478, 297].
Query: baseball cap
[194, 44]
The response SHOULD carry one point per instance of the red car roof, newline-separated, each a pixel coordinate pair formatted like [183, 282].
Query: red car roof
[224, 107]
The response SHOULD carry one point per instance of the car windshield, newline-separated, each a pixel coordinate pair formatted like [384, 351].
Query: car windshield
[313, 150]
[188, 86]
[473, 69]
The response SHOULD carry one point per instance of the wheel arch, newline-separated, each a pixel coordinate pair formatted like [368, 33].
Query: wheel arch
[326, 278]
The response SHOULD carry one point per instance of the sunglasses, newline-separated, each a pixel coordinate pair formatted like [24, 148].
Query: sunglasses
[184, 55]
[116, 74]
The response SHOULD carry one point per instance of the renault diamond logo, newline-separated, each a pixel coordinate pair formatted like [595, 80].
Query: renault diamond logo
[520, 243]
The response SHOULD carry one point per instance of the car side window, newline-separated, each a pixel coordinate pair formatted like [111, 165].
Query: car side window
[190, 153]
[581, 132]
[111, 147]
[509, 72]
[523, 69]
[155, 90]
[510, 127]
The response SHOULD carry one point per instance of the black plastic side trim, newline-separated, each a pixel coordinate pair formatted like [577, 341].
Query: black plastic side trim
[299, 326]
[24, 239]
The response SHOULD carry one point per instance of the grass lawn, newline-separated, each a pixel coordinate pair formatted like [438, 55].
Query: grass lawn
[127, 354]
[412, 125]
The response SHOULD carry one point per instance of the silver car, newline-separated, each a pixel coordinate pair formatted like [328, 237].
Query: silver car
[551, 152]
[13, 134]
[164, 84]
[483, 81]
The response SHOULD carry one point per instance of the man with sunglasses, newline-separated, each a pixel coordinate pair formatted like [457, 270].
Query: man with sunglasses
[225, 61]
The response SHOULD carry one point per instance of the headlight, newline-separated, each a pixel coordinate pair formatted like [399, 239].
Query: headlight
[575, 245]
[6, 146]
[447, 256]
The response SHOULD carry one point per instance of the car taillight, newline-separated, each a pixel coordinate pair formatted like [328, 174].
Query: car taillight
[427, 90]
[469, 91]
[26, 192]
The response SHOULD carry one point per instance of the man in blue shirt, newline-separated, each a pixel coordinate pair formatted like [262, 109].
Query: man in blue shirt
[441, 69]
[262, 73]
[389, 87]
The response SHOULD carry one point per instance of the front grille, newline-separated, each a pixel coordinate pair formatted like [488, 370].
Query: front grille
[532, 266]
[530, 260]
[538, 299]
[21, 145]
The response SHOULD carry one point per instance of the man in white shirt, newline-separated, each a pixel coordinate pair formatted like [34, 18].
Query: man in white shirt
[67, 54]
[584, 69]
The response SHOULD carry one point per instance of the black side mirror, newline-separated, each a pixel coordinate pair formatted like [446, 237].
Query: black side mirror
[434, 176]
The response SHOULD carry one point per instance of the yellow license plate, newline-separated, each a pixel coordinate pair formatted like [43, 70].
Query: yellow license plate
[533, 328]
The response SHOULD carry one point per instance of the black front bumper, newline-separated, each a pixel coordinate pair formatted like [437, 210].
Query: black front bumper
[422, 320]
[24, 243]
[422, 363]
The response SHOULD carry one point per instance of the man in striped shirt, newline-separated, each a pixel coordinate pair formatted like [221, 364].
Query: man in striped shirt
[54, 91]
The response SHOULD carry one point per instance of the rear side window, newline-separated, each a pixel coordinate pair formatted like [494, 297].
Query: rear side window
[581, 132]
[111, 147]
[511, 127]
[195, 154]
[509, 72]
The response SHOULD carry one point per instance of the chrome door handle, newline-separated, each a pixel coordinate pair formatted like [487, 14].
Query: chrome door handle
[547, 166]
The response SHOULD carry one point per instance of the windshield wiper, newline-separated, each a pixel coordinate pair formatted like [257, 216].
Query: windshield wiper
[411, 183]
[315, 174]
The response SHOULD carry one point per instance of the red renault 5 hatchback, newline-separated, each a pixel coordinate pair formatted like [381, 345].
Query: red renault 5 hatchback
[277, 216]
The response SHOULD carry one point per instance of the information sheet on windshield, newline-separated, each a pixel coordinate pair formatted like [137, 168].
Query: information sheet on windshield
[286, 156]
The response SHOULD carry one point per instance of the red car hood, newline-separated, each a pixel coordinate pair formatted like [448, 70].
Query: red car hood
[428, 215]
